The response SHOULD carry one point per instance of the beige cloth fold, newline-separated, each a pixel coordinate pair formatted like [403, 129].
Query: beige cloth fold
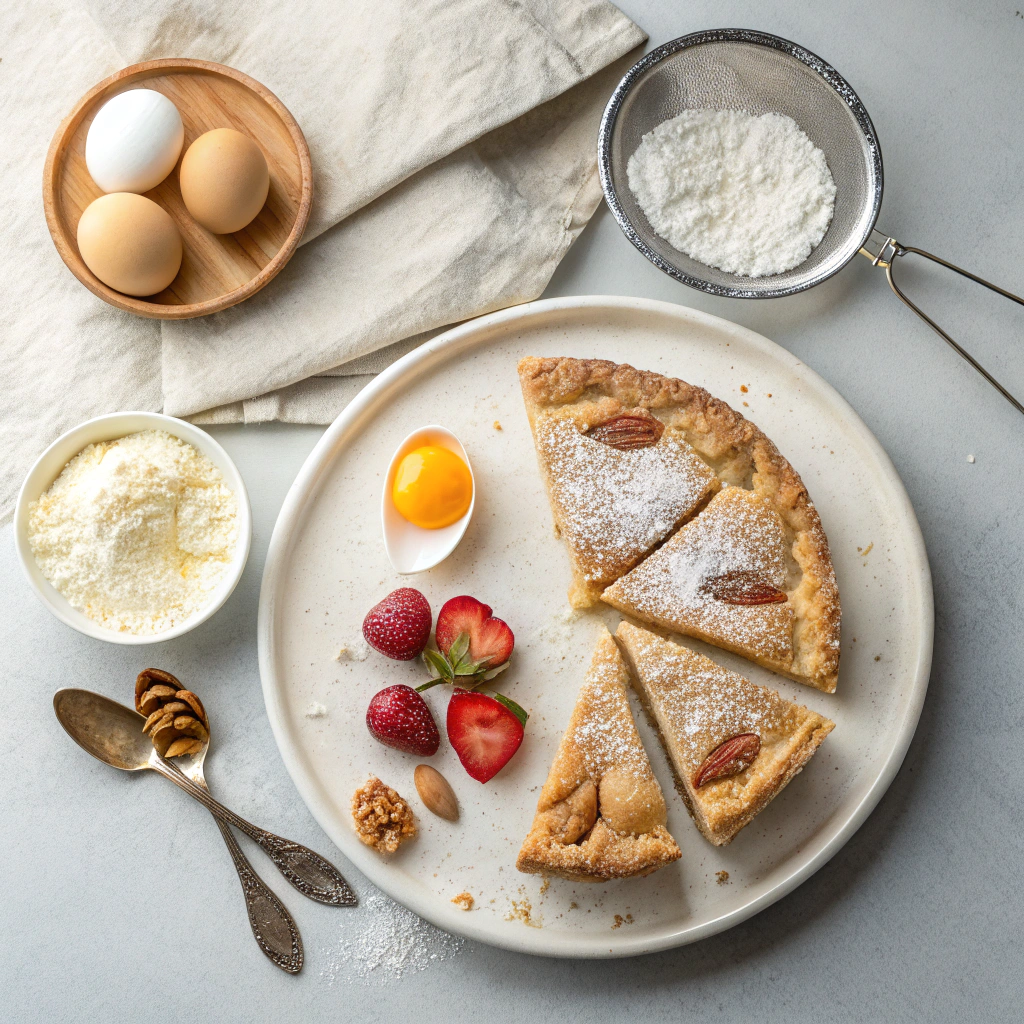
[453, 153]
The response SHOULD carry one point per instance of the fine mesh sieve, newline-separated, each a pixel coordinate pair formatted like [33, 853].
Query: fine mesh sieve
[740, 69]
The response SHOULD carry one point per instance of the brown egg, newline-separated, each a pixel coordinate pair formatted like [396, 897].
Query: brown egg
[130, 243]
[224, 180]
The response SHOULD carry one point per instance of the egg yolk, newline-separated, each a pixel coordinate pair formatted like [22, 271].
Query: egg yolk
[432, 487]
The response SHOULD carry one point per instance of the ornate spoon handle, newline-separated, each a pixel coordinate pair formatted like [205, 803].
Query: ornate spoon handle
[272, 926]
[307, 871]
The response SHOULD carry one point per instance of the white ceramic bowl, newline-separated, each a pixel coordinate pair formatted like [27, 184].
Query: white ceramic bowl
[105, 428]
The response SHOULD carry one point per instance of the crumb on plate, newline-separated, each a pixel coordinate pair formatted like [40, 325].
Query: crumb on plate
[464, 901]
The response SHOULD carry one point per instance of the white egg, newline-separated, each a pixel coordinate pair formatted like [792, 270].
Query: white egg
[412, 548]
[134, 141]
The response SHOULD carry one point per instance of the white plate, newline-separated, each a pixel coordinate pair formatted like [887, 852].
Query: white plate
[327, 566]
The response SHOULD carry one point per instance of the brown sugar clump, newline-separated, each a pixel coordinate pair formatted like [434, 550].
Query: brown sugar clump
[464, 900]
[383, 819]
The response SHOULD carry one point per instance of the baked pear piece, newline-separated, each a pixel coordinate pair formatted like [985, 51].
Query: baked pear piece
[724, 578]
[601, 814]
[733, 745]
[619, 479]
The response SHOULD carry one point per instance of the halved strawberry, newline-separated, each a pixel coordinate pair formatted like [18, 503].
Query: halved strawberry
[399, 717]
[490, 639]
[484, 731]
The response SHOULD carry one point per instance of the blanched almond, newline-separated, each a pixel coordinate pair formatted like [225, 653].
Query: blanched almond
[435, 792]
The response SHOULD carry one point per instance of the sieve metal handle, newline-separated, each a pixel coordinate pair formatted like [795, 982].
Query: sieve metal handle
[888, 250]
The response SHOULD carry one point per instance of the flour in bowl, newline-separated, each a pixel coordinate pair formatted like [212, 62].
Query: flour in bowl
[137, 532]
[751, 195]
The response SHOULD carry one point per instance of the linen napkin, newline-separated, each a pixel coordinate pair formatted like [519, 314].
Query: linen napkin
[453, 151]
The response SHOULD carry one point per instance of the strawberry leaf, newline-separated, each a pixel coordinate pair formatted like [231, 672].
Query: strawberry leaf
[470, 668]
[492, 672]
[439, 665]
[458, 650]
[513, 707]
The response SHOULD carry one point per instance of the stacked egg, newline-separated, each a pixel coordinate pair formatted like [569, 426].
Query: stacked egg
[130, 242]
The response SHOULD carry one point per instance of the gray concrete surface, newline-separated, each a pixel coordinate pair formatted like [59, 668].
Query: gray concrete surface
[118, 903]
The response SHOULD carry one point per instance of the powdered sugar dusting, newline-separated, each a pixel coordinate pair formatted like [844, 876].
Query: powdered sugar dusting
[559, 629]
[737, 531]
[384, 943]
[613, 506]
[602, 728]
[698, 703]
[354, 649]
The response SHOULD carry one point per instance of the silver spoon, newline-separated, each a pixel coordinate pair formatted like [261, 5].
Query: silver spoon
[112, 733]
[272, 926]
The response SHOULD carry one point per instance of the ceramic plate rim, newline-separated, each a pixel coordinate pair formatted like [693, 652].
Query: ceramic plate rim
[536, 941]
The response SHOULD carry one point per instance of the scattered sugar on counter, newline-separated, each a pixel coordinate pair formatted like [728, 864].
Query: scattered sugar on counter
[136, 532]
[749, 194]
[386, 943]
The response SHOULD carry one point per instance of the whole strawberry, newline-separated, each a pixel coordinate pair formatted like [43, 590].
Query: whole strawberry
[399, 626]
[399, 717]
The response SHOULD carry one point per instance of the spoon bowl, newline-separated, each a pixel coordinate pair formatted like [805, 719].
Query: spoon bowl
[109, 731]
[113, 734]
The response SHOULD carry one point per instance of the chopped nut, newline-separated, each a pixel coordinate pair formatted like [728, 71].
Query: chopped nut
[464, 901]
[382, 818]
[176, 720]
[195, 703]
[183, 746]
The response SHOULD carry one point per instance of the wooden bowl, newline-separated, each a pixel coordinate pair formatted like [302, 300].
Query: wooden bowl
[217, 271]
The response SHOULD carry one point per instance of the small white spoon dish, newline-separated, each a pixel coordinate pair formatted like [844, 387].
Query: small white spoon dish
[49, 466]
[412, 548]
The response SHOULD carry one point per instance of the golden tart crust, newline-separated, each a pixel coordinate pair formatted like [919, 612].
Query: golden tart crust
[696, 706]
[739, 454]
[738, 530]
[611, 507]
[601, 813]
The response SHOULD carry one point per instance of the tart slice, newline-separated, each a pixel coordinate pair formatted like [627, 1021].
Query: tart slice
[601, 813]
[604, 536]
[724, 578]
[619, 480]
[733, 745]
